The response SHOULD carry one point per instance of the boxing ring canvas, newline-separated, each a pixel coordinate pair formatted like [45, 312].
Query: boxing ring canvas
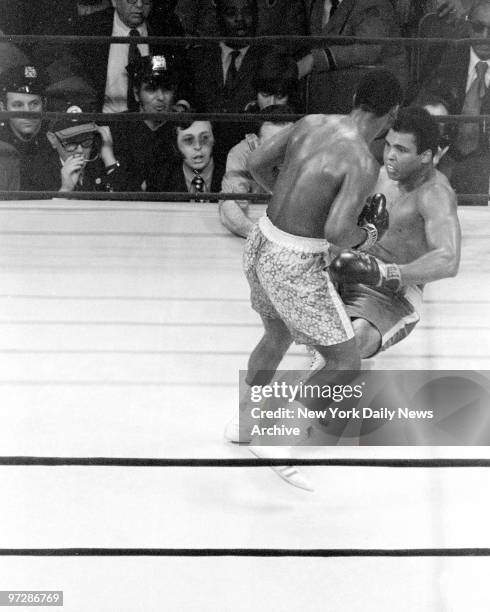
[123, 328]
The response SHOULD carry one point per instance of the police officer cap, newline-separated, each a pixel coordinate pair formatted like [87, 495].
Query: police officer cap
[25, 78]
[70, 127]
[158, 68]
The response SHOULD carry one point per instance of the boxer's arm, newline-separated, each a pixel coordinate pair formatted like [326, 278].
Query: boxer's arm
[341, 226]
[264, 161]
[438, 207]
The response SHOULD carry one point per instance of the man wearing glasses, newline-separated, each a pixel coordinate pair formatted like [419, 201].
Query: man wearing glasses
[463, 79]
[105, 65]
[81, 158]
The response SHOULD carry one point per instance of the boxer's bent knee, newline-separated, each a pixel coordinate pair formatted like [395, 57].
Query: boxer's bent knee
[367, 336]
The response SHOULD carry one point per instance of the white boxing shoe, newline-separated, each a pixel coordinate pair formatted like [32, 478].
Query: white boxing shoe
[233, 430]
[289, 473]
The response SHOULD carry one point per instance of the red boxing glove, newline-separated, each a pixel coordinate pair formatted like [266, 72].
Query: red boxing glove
[350, 267]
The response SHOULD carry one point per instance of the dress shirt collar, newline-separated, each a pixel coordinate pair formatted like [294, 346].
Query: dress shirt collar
[207, 175]
[119, 28]
[226, 51]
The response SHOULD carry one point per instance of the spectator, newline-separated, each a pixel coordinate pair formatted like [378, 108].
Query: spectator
[81, 158]
[336, 69]
[224, 73]
[146, 148]
[276, 82]
[196, 170]
[273, 17]
[22, 88]
[237, 178]
[105, 65]
[438, 107]
[463, 79]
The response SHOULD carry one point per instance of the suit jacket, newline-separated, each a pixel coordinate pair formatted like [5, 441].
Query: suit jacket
[331, 91]
[174, 180]
[210, 94]
[94, 58]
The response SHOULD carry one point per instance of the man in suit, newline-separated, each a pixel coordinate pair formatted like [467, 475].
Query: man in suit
[463, 79]
[335, 70]
[105, 65]
[224, 73]
[196, 170]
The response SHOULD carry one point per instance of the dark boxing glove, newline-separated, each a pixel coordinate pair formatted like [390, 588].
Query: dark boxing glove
[351, 267]
[374, 218]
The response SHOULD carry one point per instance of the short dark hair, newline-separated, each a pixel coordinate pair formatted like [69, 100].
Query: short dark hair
[272, 114]
[378, 92]
[419, 122]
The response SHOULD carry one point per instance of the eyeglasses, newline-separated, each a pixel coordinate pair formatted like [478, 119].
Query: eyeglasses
[70, 147]
[145, 2]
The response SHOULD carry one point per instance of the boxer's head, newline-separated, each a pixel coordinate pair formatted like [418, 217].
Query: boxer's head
[195, 142]
[379, 93]
[22, 88]
[411, 143]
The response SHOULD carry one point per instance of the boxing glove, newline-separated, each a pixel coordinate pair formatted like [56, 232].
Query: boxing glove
[351, 267]
[374, 218]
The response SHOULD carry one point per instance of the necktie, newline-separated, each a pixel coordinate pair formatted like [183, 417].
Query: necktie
[469, 133]
[335, 6]
[133, 56]
[232, 71]
[198, 182]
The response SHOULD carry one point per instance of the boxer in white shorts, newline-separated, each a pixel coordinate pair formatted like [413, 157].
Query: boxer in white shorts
[321, 172]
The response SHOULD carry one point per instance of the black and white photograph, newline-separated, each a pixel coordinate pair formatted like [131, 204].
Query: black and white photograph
[244, 329]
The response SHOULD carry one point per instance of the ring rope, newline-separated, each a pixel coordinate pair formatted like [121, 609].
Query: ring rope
[252, 462]
[179, 117]
[245, 552]
[474, 199]
[256, 40]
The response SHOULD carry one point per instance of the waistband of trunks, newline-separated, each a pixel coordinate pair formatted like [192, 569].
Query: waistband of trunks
[290, 241]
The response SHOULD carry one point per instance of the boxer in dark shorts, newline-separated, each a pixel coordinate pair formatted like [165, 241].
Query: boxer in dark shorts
[382, 288]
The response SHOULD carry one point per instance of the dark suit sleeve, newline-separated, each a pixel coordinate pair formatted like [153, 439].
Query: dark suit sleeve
[9, 168]
[369, 19]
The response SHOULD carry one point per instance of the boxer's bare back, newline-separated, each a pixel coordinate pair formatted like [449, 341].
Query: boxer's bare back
[326, 172]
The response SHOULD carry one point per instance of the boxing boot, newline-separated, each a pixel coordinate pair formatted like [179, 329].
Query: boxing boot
[289, 473]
